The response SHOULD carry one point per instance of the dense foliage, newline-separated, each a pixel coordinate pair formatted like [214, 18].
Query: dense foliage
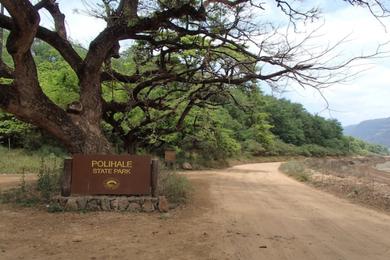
[186, 58]
[249, 123]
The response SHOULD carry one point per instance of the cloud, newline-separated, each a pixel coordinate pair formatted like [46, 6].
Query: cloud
[364, 97]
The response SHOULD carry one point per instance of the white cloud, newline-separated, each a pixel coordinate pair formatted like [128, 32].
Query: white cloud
[365, 97]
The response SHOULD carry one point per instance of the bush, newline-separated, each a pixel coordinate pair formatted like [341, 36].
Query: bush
[48, 183]
[253, 147]
[315, 150]
[176, 188]
[281, 148]
[33, 194]
[296, 170]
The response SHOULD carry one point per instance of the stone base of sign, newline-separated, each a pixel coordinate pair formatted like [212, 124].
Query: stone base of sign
[112, 203]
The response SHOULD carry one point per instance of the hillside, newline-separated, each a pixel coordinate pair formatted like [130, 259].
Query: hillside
[374, 131]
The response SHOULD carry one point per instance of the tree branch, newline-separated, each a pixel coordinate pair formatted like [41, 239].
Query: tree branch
[58, 16]
[26, 22]
[63, 46]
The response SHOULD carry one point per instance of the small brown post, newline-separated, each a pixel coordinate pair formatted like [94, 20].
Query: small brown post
[154, 179]
[66, 178]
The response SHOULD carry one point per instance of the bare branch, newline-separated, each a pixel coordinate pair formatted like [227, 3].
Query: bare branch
[52, 38]
[58, 16]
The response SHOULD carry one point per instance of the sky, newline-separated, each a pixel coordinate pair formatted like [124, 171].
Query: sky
[364, 97]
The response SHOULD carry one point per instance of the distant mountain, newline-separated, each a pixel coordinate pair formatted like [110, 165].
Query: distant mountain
[374, 131]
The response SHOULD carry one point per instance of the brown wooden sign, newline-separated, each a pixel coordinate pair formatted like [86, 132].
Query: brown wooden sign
[111, 174]
[170, 156]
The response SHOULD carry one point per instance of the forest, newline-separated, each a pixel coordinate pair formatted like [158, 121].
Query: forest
[245, 123]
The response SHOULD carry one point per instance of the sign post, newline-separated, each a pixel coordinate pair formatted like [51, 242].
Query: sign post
[170, 158]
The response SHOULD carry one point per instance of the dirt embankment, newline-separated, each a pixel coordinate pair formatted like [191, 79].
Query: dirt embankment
[245, 212]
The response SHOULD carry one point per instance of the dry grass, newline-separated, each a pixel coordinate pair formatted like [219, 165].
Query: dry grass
[354, 178]
[175, 187]
[18, 161]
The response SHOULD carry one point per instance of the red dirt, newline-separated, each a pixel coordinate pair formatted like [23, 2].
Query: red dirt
[245, 212]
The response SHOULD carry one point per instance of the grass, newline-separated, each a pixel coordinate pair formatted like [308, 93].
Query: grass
[295, 169]
[39, 193]
[175, 187]
[18, 161]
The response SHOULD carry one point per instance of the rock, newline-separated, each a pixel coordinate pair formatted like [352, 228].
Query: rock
[133, 199]
[111, 203]
[173, 205]
[93, 204]
[163, 205]
[105, 204]
[186, 166]
[71, 204]
[148, 206]
[123, 203]
[82, 202]
[134, 206]
[114, 204]
[60, 200]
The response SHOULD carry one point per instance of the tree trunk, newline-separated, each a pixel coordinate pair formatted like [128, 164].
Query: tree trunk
[75, 132]
[130, 144]
[92, 141]
[79, 132]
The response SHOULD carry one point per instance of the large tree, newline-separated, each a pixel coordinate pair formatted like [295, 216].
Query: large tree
[186, 53]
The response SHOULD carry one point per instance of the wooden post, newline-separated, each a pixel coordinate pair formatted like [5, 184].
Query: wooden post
[66, 178]
[154, 179]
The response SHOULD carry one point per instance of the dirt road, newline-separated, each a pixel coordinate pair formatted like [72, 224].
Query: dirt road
[245, 212]
[13, 180]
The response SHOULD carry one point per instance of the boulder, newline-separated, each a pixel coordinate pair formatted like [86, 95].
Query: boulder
[71, 205]
[82, 202]
[93, 204]
[186, 166]
[148, 206]
[134, 207]
[163, 205]
[123, 204]
[106, 204]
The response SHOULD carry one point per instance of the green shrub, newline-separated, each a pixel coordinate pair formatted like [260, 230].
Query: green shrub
[281, 148]
[176, 188]
[48, 183]
[40, 192]
[253, 147]
[25, 195]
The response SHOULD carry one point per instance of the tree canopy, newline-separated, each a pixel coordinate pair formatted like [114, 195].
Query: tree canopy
[186, 55]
